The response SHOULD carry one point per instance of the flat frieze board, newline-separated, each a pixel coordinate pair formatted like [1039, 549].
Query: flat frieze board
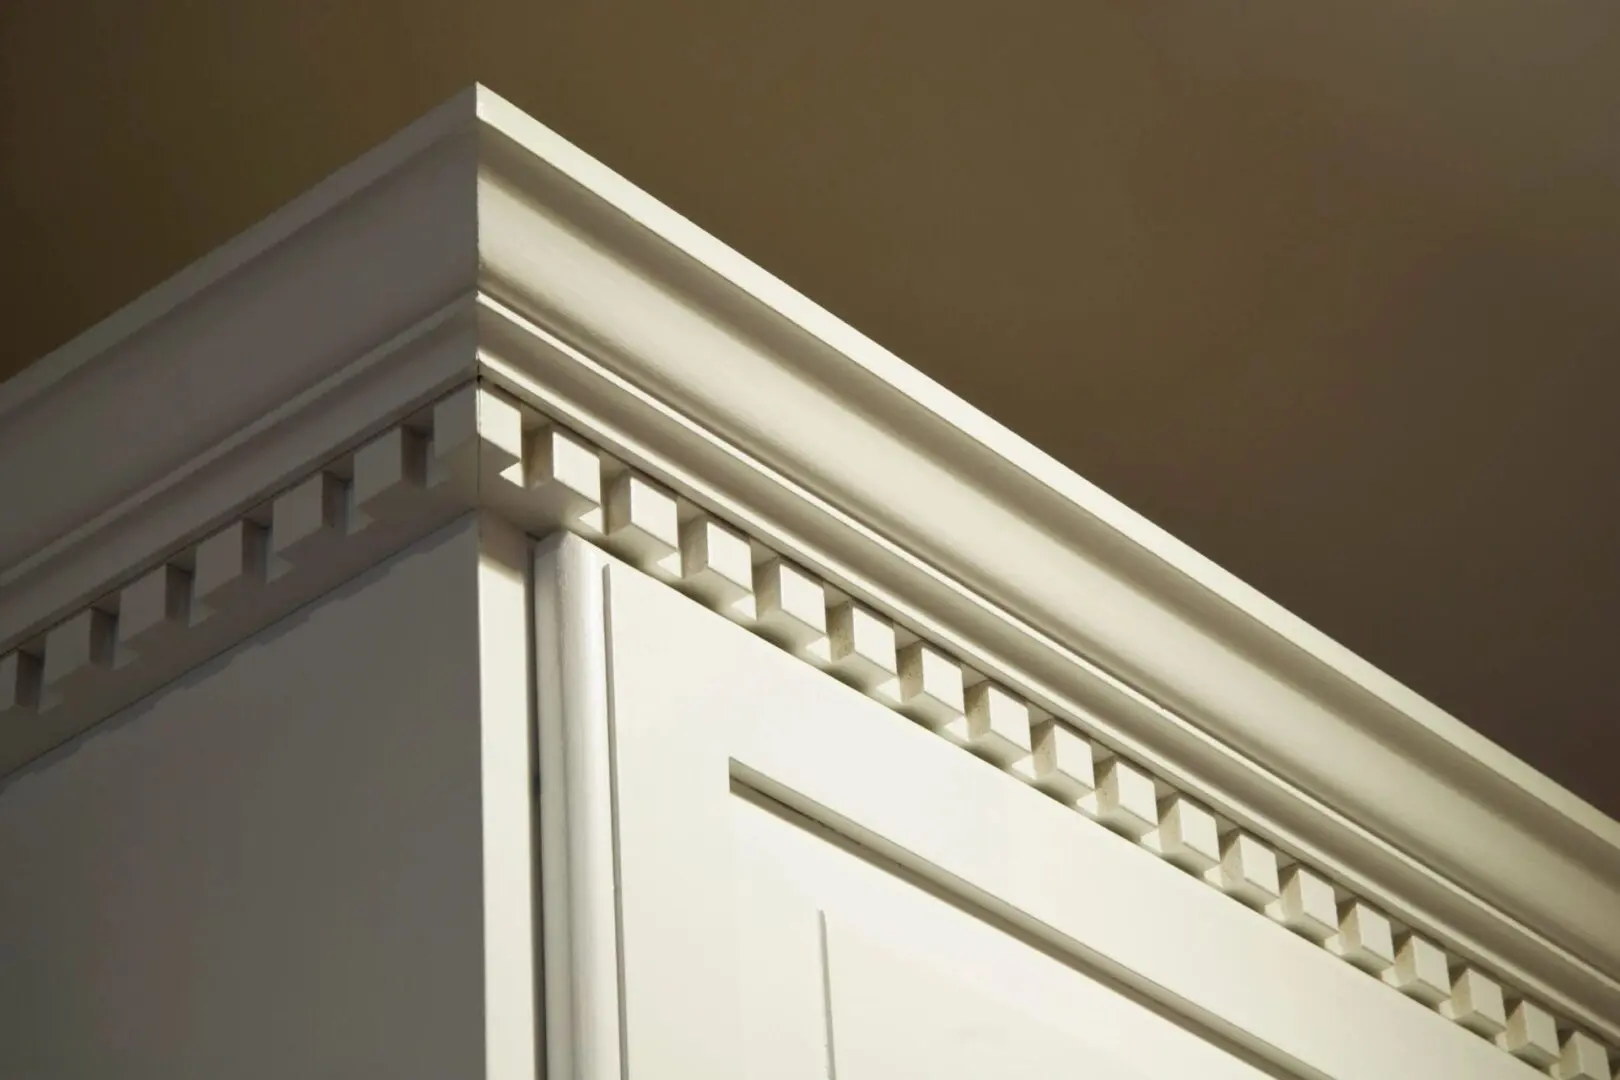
[605, 320]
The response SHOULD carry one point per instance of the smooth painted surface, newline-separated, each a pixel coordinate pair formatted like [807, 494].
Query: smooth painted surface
[911, 984]
[272, 868]
[578, 883]
[505, 720]
[701, 709]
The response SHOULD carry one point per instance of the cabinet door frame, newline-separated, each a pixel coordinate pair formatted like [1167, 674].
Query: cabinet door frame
[651, 708]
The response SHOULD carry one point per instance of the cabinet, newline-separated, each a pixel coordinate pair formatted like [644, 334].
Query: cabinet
[546, 645]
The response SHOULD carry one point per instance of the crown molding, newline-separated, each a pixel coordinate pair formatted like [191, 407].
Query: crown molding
[477, 243]
[340, 313]
[628, 322]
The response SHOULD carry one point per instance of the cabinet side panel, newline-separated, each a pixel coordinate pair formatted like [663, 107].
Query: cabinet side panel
[270, 868]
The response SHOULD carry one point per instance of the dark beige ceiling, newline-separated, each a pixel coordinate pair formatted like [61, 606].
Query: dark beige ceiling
[1328, 290]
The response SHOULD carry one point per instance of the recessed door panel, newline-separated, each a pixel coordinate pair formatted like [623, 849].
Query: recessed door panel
[849, 962]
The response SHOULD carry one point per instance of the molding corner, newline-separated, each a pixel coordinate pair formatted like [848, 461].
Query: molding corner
[675, 354]
[477, 315]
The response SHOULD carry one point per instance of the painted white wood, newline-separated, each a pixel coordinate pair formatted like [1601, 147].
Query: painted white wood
[697, 704]
[346, 311]
[478, 231]
[712, 375]
[782, 1015]
[1083, 890]
[898, 1015]
[273, 867]
[507, 800]
[676, 891]
[578, 879]
[206, 598]
[478, 243]
[922, 986]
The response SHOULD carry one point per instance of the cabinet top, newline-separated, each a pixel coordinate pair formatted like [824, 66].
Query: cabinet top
[478, 246]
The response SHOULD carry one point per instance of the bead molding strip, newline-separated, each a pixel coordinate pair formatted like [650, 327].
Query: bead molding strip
[481, 448]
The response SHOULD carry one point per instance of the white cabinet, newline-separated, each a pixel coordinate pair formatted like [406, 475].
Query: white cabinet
[585, 657]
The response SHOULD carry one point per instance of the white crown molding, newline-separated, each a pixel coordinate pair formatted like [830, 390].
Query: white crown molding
[635, 326]
[337, 315]
[587, 300]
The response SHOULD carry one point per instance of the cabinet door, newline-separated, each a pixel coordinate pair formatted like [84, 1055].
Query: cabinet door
[753, 870]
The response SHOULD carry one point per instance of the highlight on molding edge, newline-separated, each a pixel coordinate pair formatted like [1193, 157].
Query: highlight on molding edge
[478, 447]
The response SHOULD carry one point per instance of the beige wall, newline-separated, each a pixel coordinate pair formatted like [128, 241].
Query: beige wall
[1328, 293]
